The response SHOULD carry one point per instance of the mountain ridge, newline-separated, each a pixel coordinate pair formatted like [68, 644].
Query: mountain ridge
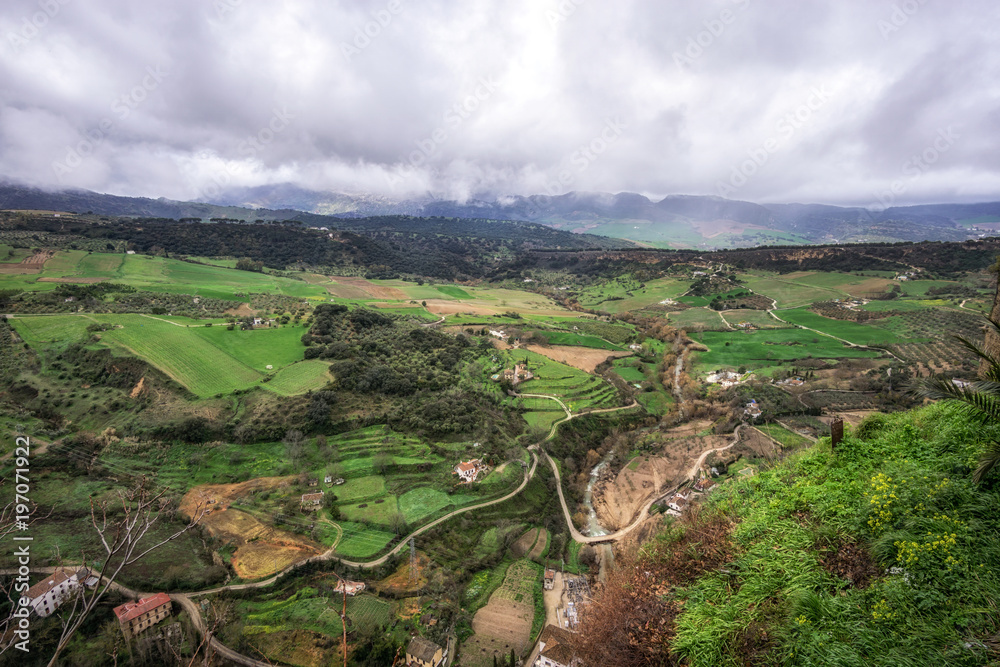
[678, 221]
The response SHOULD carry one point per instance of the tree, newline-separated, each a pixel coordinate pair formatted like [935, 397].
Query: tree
[981, 398]
[382, 463]
[121, 532]
[293, 443]
[398, 523]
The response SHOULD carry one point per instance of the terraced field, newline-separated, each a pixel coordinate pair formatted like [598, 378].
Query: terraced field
[310, 610]
[579, 390]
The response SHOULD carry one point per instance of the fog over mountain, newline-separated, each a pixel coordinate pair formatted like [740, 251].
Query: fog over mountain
[862, 103]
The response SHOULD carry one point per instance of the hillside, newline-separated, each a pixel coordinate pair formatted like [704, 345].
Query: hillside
[880, 552]
[253, 366]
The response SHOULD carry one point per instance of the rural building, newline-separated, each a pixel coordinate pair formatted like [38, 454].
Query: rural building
[53, 590]
[678, 502]
[498, 334]
[313, 482]
[510, 375]
[725, 378]
[328, 479]
[257, 321]
[312, 501]
[469, 470]
[703, 484]
[752, 409]
[556, 648]
[423, 653]
[961, 384]
[352, 588]
[550, 579]
[134, 617]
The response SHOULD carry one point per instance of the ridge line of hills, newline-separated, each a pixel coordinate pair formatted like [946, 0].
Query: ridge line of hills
[676, 221]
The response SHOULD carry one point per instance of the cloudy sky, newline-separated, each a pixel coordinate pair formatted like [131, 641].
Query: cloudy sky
[854, 101]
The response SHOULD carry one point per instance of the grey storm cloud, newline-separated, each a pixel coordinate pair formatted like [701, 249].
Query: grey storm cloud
[765, 100]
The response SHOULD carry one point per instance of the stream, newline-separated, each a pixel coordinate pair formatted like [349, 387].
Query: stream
[594, 528]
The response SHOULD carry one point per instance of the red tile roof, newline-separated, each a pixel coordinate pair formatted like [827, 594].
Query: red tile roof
[47, 584]
[130, 610]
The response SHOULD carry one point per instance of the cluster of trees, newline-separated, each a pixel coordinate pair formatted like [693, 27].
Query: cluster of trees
[375, 354]
[113, 298]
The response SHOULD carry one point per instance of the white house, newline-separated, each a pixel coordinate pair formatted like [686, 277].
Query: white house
[468, 470]
[56, 588]
[678, 502]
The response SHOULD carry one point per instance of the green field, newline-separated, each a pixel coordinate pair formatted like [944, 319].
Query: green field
[578, 340]
[627, 370]
[258, 348]
[788, 439]
[422, 502]
[769, 348]
[182, 354]
[160, 274]
[206, 360]
[361, 488]
[760, 319]
[618, 296]
[362, 542]
[791, 294]
[920, 287]
[307, 609]
[310, 375]
[859, 334]
[453, 292]
[380, 511]
[45, 330]
[697, 319]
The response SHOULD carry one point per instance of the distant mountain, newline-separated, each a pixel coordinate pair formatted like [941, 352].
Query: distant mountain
[674, 221]
[678, 221]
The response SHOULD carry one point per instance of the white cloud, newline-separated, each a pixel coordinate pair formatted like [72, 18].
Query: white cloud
[373, 84]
